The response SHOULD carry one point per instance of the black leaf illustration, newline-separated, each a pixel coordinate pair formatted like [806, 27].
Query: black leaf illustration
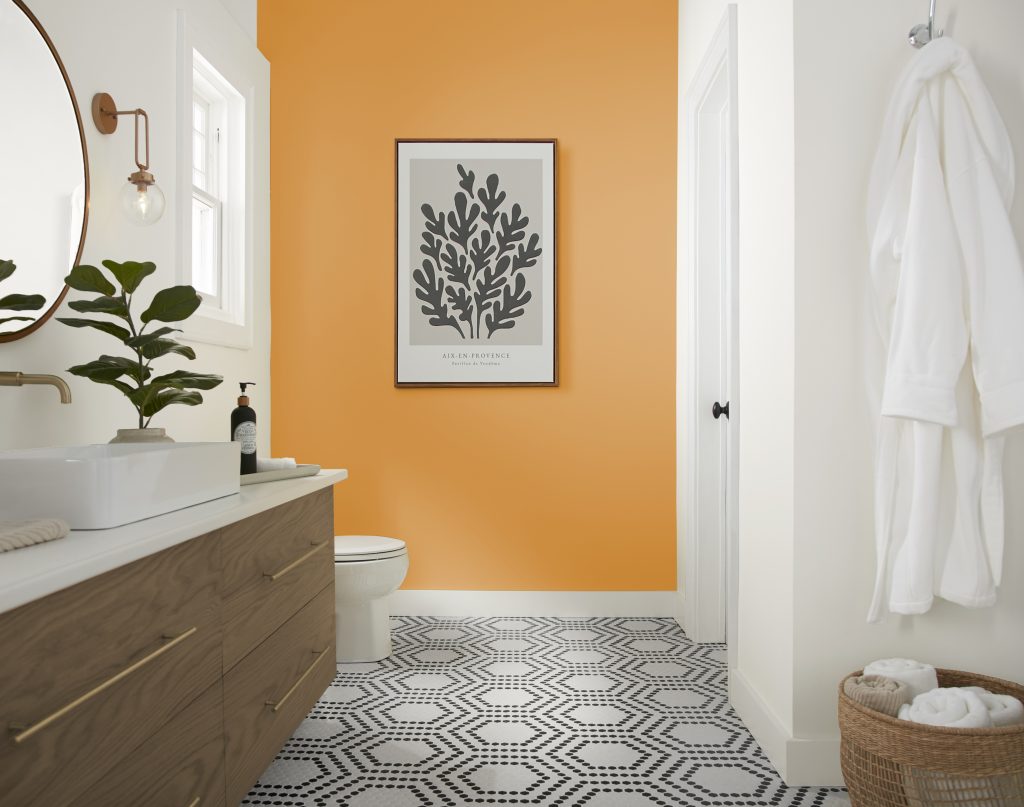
[467, 180]
[491, 200]
[431, 248]
[462, 303]
[511, 305]
[527, 255]
[481, 252]
[462, 226]
[474, 275]
[488, 288]
[431, 292]
[512, 229]
[456, 266]
[434, 225]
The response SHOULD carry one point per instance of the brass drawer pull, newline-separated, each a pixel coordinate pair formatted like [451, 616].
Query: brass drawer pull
[282, 572]
[25, 732]
[275, 706]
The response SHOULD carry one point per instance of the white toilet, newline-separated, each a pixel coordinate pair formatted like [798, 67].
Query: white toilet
[367, 568]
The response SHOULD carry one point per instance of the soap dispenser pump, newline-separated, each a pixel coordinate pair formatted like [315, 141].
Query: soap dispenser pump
[243, 429]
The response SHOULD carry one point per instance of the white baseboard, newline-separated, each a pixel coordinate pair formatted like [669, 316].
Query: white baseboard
[800, 762]
[814, 763]
[679, 612]
[535, 603]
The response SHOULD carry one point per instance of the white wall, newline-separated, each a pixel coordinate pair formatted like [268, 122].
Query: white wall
[127, 48]
[815, 78]
[762, 677]
[848, 56]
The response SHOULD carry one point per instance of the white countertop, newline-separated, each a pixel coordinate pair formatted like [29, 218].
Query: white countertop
[33, 572]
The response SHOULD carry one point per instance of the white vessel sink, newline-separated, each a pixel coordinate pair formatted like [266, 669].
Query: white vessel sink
[101, 486]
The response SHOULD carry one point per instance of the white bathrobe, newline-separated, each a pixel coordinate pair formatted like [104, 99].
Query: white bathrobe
[948, 287]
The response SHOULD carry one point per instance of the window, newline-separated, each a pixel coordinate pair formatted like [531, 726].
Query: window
[217, 265]
[207, 187]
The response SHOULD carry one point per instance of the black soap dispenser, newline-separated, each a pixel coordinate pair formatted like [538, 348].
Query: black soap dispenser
[243, 429]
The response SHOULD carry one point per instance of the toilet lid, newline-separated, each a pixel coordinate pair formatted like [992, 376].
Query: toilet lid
[366, 547]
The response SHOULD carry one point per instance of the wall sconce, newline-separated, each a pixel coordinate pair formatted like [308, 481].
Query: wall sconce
[141, 199]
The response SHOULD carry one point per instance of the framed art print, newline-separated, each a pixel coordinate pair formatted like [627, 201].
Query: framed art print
[475, 263]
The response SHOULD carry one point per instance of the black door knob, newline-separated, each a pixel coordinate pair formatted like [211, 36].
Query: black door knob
[718, 410]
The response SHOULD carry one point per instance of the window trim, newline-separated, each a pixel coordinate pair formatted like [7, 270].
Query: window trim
[228, 320]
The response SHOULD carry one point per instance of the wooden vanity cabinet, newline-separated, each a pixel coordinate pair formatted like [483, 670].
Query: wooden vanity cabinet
[173, 680]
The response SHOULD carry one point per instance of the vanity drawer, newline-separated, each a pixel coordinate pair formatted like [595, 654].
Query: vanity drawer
[273, 565]
[181, 763]
[93, 671]
[268, 693]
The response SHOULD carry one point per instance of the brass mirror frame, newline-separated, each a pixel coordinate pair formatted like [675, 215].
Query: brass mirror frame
[34, 326]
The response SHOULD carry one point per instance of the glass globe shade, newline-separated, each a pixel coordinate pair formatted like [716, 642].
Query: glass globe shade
[143, 204]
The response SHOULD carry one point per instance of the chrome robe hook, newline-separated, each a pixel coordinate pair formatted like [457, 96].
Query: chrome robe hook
[921, 35]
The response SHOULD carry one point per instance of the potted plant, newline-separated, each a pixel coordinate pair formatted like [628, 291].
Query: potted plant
[133, 375]
[17, 302]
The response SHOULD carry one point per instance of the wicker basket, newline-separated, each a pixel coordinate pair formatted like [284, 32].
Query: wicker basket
[896, 763]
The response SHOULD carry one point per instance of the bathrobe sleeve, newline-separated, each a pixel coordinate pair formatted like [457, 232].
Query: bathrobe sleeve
[929, 335]
[994, 274]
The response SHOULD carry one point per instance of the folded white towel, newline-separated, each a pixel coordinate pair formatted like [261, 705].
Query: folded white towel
[18, 534]
[952, 707]
[1005, 710]
[272, 464]
[919, 677]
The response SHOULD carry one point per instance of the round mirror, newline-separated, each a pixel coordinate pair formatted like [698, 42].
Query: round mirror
[44, 174]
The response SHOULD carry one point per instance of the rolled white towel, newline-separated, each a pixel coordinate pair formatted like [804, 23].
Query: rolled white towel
[919, 677]
[18, 534]
[1005, 710]
[274, 464]
[952, 707]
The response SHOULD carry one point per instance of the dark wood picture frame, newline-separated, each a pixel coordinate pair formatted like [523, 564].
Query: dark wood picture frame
[554, 382]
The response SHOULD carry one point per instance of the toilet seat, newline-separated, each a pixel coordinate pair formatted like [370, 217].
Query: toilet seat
[361, 548]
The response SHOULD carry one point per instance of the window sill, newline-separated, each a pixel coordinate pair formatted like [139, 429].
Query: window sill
[212, 326]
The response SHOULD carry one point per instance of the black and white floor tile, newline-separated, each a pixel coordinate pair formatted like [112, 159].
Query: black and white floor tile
[525, 711]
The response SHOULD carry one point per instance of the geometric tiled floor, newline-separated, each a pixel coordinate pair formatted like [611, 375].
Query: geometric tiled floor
[517, 711]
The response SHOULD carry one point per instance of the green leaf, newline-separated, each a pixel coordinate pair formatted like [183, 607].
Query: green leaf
[183, 379]
[89, 278]
[172, 305]
[154, 397]
[130, 273]
[22, 302]
[114, 306]
[107, 327]
[110, 368]
[146, 338]
[6, 269]
[16, 319]
[168, 397]
[161, 347]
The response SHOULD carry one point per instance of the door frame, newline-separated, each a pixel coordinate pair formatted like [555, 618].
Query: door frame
[702, 616]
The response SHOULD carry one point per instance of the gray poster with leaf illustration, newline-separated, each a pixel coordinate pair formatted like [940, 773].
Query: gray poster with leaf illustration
[475, 263]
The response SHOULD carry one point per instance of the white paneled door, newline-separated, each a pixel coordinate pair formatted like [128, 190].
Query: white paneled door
[709, 406]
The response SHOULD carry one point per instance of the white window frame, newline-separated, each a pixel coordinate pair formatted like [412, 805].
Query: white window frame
[206, 91]
[225, 318]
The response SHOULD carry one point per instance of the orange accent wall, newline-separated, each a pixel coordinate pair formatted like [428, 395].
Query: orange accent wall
[568, 488]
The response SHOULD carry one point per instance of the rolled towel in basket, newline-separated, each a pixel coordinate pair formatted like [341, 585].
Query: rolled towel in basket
[1005, 710]
[919, 677]
[885, 695]
[952, 707]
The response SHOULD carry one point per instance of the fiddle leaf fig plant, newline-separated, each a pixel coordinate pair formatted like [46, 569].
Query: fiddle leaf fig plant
[133, 375]
[17, 302]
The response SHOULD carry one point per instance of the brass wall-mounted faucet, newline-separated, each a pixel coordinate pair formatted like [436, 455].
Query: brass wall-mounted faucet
[20, 379]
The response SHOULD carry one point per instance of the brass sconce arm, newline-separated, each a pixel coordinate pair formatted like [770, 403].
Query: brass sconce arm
[105, 114]
[141, 199]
